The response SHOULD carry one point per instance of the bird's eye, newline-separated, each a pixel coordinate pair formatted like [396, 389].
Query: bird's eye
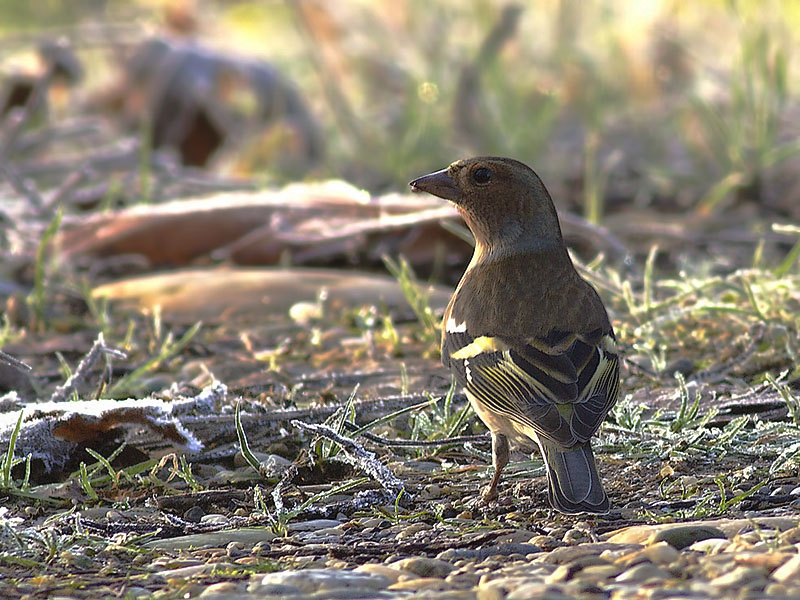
[482, 176]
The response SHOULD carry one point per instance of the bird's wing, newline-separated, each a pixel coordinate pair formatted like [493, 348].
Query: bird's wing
[561, 386]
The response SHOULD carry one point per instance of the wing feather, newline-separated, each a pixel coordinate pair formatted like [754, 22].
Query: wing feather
[560, 391]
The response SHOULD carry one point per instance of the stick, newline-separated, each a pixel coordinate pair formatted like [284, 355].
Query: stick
[358, 456]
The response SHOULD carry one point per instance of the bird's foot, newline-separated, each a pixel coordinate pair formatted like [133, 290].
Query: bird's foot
[488, 495]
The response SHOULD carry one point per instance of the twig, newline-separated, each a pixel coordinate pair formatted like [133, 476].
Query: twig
[33, 141]
[358, 456]
[99, 348]
[61, 192]
[461, 439]
[203, 402]
[14, 362]
[22, 186]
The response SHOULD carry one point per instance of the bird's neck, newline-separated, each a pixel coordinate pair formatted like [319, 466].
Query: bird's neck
[512, 247]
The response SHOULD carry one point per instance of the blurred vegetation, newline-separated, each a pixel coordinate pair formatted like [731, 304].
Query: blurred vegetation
[682, 106]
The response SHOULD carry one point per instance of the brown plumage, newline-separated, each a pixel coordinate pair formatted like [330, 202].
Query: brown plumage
[527, 337]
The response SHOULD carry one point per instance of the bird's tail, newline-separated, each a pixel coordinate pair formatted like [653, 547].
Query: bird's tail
[574, 485]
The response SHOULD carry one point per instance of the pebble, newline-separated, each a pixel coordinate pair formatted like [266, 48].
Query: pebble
[430, 492]
[641, 573]
[411, 530]
[518, 536]
[392, 575]
[767, 561]
[788, 571]
[682, 536]
[187, 572]
[710, 545]
[248, 536]
[745, 559]
[570, 553]
[214, 519]
[425, 567]
[316, 580]
[600, 572]
[566, 571]
[194, 514]
[138, 592]
[482, 553]
[421, 583]
[741, 577]
[660, 553]
[540, 591]
[219, 589]
[313, 525]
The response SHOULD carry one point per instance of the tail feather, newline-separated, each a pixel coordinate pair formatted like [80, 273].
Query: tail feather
[574, 485]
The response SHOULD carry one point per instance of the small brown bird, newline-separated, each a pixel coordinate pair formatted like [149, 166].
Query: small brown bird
[527, 337]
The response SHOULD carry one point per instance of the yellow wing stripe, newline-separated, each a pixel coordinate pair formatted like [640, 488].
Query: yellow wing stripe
[480, 345]
[601, 379]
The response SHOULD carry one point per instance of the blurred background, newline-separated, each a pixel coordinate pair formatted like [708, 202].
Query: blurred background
[658, 105]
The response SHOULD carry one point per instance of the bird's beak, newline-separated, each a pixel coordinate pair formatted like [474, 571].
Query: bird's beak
[439, 184]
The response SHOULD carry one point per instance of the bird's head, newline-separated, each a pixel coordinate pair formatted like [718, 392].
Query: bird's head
[502, 200]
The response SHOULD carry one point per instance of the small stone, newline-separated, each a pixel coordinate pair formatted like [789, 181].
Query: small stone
[766, 561]
[778, 590]
[137, 592]
[491, 593]
[214, 519]
[409, 531]
[260, 548]
[678, 536]
[750, 537]
[791, 536]
[422, 583]
[661, 554]
[218, 539]
[423, 466]
[424, 567]
[545, 542]
[518, 536]
[741, 577]
[312, 525]
[430, 492]
[570, 553]
[788, 571]
[187, 572]
[540, 591]
[224, 587]
[278, 590]
[392, 575]
[574, 536]
[194, 514]
[599, 572]
[642, 572]
[314, 580]
[460, 578]
[710, 546]
[567, 571]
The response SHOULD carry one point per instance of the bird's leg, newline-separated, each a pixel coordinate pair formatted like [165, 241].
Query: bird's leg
[500, 453]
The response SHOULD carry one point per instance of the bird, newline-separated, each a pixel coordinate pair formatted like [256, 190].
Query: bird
[524, 334]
